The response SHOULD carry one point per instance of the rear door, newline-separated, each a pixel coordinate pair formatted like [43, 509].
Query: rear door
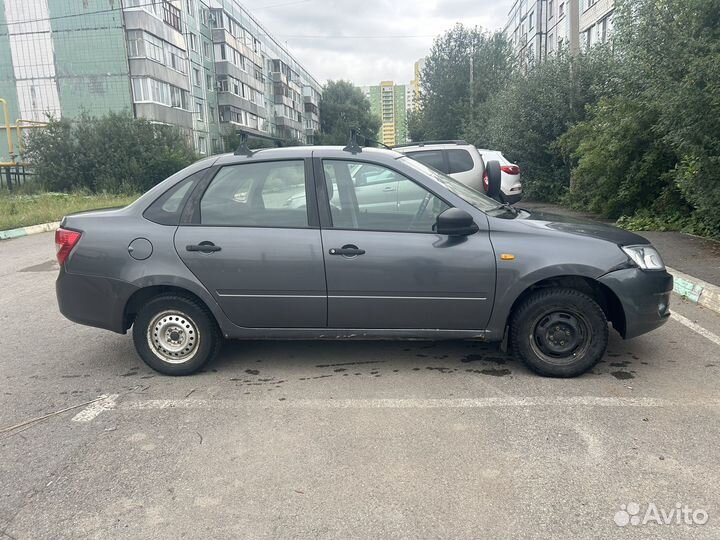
[257, 252]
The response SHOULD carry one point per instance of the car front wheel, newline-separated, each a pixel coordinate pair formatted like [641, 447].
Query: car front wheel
[559, 332]
[175, 335]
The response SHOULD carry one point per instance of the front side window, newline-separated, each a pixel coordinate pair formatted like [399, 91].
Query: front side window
[270, 194]
[479, 200]
[371, 197]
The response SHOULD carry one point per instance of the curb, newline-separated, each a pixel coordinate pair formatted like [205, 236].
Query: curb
[30, 229]
[696, 290]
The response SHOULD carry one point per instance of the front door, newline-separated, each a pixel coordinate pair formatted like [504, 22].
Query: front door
[387, 269]
[253, 247]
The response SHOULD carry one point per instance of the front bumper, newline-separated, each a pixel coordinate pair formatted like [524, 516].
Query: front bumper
[93, 300]
[644, 296]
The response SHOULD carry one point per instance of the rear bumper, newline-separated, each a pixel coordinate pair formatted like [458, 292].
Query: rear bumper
[93, 301]
[644, 296]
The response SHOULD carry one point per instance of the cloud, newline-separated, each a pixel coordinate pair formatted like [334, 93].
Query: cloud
[366, 41]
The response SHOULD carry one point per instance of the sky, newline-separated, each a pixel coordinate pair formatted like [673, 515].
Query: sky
[340, 39]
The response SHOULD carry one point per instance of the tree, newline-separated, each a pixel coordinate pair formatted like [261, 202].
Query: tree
[464, 68]
[652, 147]
[115, 153]
[527, 115]
[344, 107]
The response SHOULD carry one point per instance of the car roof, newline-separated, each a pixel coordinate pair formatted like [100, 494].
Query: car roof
[302, 152]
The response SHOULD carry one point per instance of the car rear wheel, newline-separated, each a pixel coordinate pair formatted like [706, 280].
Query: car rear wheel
[559, 332]
[175, 335]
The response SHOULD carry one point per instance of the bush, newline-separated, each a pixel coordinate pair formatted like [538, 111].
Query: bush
[115, 153]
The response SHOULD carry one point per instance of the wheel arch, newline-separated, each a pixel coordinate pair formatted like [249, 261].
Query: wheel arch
[143, 295]
[602, 294]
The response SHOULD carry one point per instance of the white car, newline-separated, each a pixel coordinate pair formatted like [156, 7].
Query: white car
[511, 185]
[466, 164]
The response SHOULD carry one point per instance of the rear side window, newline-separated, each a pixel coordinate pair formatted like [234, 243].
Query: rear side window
[269, 194]
[459, 161]
[167, 208]
[431, 158]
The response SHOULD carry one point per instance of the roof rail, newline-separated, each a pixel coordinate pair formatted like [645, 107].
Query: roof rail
[423, 143]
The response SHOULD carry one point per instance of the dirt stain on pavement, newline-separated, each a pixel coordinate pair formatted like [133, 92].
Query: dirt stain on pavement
[491, 372]
[622, 375]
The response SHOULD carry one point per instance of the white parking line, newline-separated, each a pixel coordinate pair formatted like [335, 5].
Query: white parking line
[110, 403]
[91, 411]
[411, 403]
[696, 328]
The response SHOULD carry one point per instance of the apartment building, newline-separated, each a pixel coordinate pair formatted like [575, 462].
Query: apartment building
[206, 66]
[538, 28]
[388, 101]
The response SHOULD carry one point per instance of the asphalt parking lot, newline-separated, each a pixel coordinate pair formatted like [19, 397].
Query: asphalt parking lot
[345, 439]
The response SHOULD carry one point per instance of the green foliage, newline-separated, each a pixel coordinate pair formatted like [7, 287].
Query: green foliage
[20, 210]
[653, 147]
[525, 118]
[115, 153]
[464, 68]
[343, 107]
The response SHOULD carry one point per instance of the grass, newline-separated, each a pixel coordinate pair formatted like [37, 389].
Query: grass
[20, 210]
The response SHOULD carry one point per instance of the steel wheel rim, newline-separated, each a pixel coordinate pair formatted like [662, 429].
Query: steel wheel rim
[173, 337]
[560, 336]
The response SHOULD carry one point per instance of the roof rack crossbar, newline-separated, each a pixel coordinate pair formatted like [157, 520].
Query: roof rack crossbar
[423, 143]
[352, 145]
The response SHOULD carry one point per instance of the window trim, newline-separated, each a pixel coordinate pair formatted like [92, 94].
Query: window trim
[191, 213]
[324, 201]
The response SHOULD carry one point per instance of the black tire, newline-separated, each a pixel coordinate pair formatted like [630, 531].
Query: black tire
[196, 339]
[559, 332]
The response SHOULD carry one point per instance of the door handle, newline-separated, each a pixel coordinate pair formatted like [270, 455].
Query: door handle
[203, 247]
[347, 251]
[389, 188]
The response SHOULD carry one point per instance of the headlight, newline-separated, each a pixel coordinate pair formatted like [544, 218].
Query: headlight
[645, 257]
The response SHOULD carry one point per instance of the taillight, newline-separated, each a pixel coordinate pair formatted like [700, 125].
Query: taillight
[65, 241]
[510, 169]
[486, 182]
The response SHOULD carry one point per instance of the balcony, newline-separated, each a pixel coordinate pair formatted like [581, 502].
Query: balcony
[171, 16]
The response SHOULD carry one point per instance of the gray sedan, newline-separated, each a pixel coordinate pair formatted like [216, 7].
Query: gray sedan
[326, 242]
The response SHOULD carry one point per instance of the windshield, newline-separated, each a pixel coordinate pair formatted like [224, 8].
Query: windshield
[479, 200]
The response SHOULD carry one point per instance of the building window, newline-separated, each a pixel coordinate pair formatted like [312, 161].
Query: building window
[211, 114]
[147, 90]
[200, 110]
[189, 6]
[193, 42]
[204, 16]
[196, 77]
[531, 22]
[551, 11]
[562, 9]
[202, 145]
[208, 82]
[206, 49]
[171, 15]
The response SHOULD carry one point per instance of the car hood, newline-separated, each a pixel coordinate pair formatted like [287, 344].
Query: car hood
[580, 227]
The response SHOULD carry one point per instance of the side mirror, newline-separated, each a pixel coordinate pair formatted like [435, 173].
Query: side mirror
[493, 180]
[455, 222]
